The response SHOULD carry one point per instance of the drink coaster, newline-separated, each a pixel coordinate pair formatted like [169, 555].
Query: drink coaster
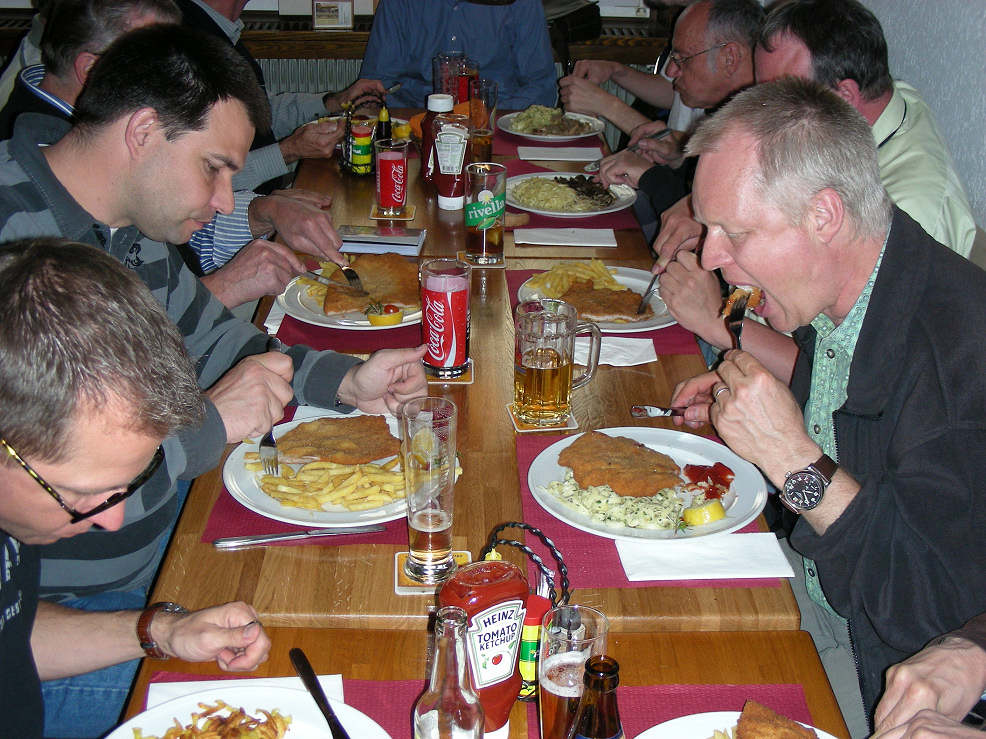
[403, 585]
[523, 427]
[461, 256]
[406, 215]
[466, 378]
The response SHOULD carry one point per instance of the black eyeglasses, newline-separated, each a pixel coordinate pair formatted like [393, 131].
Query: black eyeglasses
[108, 503]
[679, 61]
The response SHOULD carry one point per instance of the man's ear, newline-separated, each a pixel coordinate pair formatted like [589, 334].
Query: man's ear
[730, 57]
[848, 90]
[826, 215]
[82, 66]
[143, 128]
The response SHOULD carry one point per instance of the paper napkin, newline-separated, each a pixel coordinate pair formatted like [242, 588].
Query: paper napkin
[560, 153]
[726, 557]
[566, 236]
[617, 351]
[158, 693]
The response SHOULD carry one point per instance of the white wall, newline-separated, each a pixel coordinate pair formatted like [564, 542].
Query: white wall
[939, 46]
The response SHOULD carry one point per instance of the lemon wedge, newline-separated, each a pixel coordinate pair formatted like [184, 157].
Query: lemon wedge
[705, 513]
[385, 319]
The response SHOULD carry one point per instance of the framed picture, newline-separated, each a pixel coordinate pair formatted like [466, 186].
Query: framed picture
[332, 14]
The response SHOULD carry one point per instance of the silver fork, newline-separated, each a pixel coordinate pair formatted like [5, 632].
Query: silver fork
[268, 447]
[352, 278]
[734, 321]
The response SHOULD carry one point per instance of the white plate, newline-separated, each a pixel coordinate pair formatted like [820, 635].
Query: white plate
[635, 279]
[596, 126]
[624, 194]
[242, 485]
[306, 720]
[701, 726]
[297, 303]
[746, 498]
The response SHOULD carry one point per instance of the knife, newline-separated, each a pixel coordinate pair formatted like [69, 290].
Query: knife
[647, 293]
[319, 278]
[304, 669]
[242, 542]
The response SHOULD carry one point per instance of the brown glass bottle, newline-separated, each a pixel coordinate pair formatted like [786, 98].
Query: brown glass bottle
[598, 716]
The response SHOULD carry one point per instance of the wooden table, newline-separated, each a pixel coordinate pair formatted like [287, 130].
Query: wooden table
[352, 586]
[645, 659]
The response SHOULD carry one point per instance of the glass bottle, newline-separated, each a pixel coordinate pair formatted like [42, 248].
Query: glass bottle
[598, 716]
[449, 708]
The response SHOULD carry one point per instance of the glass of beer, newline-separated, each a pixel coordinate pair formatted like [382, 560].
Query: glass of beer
[544, 349]
[483, 96]
[480, 145]
[428, 457]
[569, 636]
[486, 187]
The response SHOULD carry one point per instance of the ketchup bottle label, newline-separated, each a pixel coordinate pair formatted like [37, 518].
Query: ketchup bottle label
[493, 638]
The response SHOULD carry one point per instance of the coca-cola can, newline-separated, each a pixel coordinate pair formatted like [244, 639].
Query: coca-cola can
[445, 316]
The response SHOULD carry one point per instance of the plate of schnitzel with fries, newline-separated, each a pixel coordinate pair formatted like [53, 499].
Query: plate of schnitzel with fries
[336, 470]
[607, 296]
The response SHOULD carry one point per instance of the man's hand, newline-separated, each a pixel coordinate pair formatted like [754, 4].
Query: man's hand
[929, 725]
[596, 71]
[679, 230]
[622, 168]
[389, 378]
[667, 151]
[259, 268]
[695, 396]
[312, 141]
[229, 634]
[301, 221]
[946, 677]
[251, 396]
[582, 96]
[334, 101]
[693, 297]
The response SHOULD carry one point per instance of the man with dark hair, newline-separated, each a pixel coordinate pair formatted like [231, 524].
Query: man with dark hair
[877, 447]
[79, 431]
[166, 117]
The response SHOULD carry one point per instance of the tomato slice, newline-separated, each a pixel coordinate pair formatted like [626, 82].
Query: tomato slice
[391, 308]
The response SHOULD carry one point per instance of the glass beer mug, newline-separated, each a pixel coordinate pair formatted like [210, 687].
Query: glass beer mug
[544, 351]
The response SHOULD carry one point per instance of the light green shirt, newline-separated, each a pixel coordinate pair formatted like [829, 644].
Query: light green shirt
[834, 348]
[918, 172]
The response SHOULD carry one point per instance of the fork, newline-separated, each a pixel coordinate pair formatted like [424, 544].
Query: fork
[352, 278]
[268, 447]
[734, 321]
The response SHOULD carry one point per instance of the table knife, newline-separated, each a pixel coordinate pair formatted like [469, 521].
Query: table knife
[647, 293]
[304, 669]
[242, 542]
[319, 278]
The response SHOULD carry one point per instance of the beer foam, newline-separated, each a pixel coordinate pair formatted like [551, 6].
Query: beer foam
[569, 666]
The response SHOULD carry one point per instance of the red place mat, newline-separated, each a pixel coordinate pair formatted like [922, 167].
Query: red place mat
[293, 331]
[388, 702]
[505, 144]
[593, 561]
[670, 340]
[643, 706]
[621, 219]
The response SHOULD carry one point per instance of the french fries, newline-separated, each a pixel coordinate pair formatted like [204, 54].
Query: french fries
[716, 734]
[315, 289]
[556, 281]
[313, 486]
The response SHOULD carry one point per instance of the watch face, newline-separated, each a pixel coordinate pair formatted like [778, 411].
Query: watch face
[804, 489]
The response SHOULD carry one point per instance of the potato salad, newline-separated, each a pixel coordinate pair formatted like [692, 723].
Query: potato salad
[601, 504]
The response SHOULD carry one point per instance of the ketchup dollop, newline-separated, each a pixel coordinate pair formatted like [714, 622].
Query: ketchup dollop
[717, 476]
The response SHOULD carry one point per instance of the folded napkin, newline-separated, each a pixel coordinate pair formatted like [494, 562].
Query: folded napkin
[711, 557]
[160, 692]
[561, 153]
[566, 236]
[617, 351]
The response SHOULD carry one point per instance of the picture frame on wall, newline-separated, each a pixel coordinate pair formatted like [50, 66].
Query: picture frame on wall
[332, 15]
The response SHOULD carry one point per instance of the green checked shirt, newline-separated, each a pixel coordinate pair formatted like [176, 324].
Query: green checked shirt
[834, 348]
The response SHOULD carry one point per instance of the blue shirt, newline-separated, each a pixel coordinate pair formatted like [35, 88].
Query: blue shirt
[509, 42]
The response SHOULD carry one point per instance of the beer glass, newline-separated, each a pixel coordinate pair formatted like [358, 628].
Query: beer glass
[486, 187]
[569, 636]
[445, 72]
[480, 147]
[483, 95]
[544, 349]
[428, 457]
[391, 175]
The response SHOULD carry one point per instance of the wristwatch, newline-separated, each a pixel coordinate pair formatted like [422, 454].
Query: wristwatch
[150, 647]
[803, 490]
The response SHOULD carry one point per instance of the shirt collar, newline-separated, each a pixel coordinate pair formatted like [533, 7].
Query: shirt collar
[232, 29]
[891, 118]
[32, 77]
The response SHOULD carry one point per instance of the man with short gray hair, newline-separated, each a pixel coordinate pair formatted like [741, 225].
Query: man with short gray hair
[878, 445]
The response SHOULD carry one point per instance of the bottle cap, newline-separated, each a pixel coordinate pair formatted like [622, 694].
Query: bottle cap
[440, 102]
[537, 606]
[384, 114]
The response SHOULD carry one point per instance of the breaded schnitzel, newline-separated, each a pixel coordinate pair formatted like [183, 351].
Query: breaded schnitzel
[760, 722]
[603, 304]
[354, 440]
[626, 466]
[386, 278]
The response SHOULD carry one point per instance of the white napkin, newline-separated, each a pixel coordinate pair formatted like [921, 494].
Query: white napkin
[732, 556]
[566, 236]
[617, 351]
[273, 321]
[158, 693]
[560, 153]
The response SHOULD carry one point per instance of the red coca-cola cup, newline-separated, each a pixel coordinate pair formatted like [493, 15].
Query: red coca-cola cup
[445, 316]
[391, 176]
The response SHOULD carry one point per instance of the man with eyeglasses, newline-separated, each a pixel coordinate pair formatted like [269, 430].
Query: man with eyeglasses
[80, 431]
